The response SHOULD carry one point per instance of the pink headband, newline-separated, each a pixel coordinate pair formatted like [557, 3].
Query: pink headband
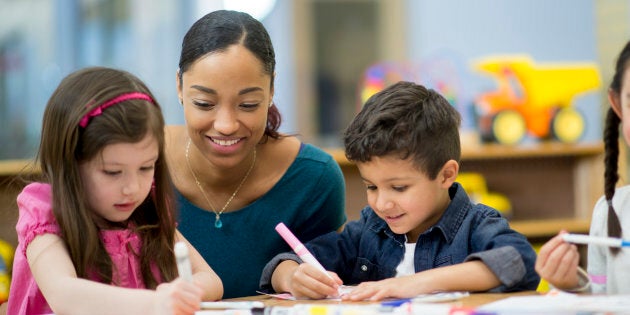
[120, 98]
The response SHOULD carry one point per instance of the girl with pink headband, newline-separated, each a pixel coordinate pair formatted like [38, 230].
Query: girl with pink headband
[96, 233]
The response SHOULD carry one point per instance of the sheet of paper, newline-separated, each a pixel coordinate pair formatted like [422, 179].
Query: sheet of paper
[559, 303]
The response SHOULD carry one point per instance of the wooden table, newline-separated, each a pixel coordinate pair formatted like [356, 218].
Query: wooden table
[471, 301]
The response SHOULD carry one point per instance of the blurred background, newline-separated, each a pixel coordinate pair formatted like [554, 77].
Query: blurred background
[328, 52]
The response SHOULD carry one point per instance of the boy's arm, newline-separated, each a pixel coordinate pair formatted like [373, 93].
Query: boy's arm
[472, 276]
[203, 275]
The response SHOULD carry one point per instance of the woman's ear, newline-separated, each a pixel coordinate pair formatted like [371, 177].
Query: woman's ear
[448, 174]
[615, 102]
[178, 85]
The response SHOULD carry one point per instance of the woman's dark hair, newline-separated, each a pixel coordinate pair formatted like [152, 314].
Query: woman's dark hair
[218, 30]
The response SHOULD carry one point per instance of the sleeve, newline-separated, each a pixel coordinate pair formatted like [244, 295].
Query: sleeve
[35, 214]
[597, 254]
[506, 252]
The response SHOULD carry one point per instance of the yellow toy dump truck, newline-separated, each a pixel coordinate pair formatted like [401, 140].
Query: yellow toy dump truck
[534, 98]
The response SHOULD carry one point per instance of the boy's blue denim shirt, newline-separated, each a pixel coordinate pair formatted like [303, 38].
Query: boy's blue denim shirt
[367, 250]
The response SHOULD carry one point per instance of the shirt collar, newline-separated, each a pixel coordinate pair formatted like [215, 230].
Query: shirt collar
[454, 214]
[448, 224]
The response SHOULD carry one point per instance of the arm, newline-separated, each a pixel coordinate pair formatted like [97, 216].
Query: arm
[67, 294]
[467, 276]
[203, 275]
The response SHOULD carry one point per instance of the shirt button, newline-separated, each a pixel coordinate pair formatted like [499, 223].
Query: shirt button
[363, 267]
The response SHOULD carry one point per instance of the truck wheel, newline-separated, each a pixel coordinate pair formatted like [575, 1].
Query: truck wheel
[567, 125]
[508, 127]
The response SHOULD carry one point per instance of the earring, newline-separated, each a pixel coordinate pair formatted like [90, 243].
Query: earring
[181, 102]
[270, 103]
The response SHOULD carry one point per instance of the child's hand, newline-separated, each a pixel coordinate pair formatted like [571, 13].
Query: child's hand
[309, 282]
[402, 287]
[178, 297]
[557, 263]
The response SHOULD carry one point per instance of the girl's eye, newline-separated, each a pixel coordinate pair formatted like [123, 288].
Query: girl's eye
[147, 168]
[111, 173]
[370, 187]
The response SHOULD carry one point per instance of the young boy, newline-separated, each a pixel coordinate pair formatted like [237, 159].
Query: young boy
[420, 232]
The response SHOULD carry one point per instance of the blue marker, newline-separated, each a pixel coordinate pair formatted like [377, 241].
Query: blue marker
[595, 240]
[395, 303]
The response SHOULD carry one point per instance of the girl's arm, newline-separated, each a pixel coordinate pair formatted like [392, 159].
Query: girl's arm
[65, 293]
[472, 276]
[203, 275]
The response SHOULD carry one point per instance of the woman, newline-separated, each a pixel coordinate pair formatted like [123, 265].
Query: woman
[236, 176]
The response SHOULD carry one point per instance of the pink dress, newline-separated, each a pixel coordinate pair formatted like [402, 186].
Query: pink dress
[36, 218]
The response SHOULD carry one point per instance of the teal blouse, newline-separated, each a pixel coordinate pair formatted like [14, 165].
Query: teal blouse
[309, 199]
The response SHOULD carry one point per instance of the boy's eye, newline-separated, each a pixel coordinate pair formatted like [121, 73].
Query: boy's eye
[399, 188]
[370, 187]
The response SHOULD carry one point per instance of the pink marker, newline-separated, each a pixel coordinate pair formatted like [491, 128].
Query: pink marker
[299, 248]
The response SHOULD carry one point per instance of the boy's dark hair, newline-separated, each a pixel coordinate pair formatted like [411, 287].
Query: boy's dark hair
[611, 143]
[410, 121]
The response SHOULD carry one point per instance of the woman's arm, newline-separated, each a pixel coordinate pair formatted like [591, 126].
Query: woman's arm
[65, 293]
[203, 275]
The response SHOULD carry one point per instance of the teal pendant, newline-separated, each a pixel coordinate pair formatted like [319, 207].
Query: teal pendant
[217, 223]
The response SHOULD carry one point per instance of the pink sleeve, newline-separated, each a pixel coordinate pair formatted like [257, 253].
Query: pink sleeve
[36, 216]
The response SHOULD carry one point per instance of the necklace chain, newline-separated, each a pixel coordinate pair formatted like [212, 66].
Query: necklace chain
[217, 221]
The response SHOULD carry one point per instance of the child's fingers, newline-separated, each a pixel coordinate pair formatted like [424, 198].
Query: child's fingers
[317, 281]
[310, 282]
[546, 252]
[362, 292]
[186, 296]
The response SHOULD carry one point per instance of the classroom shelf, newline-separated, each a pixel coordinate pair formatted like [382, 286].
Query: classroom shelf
[551, 185]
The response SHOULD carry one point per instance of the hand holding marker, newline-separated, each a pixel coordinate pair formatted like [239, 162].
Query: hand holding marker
[299, 248]
[595, 240]
[185, 272]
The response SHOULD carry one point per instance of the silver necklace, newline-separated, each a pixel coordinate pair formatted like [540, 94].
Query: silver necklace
[217, 220]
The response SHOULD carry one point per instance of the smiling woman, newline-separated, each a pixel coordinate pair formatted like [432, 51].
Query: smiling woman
[236, 176]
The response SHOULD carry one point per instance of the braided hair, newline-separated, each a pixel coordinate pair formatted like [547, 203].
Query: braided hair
[611, 145]
[611, 174]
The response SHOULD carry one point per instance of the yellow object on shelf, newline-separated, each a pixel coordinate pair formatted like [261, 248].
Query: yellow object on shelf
[542, 94]
[475, 186]
[6, 255]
